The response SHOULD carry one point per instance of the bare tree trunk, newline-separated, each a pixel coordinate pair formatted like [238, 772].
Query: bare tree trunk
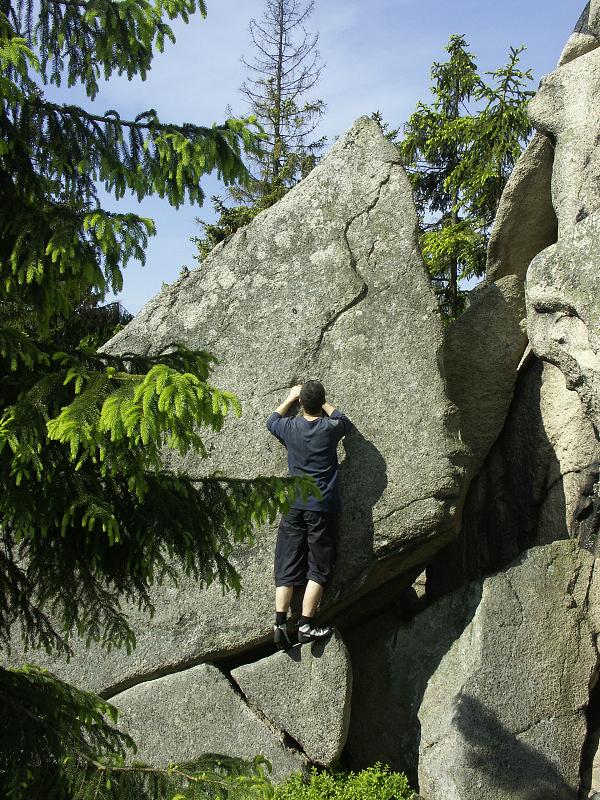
[453, 289]
[285, 67]
[278, 85]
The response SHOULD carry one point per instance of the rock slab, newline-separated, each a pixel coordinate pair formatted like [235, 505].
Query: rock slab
[306, 692]
[567, 108]
[327, 284]
[525, 222]
[586, 35]
[179, 717]
[482, 350]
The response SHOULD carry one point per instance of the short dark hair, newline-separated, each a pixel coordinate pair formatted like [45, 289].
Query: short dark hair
[312, 397]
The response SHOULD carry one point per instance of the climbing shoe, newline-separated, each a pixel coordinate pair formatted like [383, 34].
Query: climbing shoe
[312, 633]
[280, 637]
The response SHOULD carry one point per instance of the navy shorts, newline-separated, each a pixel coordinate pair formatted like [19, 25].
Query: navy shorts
[306, 547]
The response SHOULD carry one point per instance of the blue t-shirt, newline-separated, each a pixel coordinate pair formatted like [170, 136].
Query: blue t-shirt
[312, 451]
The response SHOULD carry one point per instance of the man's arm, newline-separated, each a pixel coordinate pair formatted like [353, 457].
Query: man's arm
[292, 398]
[276, 422]
[335, 413]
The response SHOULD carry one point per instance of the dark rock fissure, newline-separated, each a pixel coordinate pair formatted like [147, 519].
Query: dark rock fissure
[502, 508]
[285, 738]
[353, 264]
[228, 660]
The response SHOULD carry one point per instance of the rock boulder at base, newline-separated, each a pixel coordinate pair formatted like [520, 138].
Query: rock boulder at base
[483, 694]
[328, 284]
[392, 661]
[503, 714]
[182, 716]
[306, 692]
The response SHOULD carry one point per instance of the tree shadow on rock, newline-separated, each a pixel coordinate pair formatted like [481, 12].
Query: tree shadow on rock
[508, 764]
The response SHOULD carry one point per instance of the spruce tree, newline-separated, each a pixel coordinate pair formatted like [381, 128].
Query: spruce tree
[89, 516]
[286, 66]
[459, 151]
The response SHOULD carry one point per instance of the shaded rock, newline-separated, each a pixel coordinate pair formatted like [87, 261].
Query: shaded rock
[392, 661]
[593, 21]
[306, 692]
[567, 107]
[483, 694]
[328, 283]
[180, 717]
[504, 713]
[482, 351]
[563, 310]
[525, 222]
[531, 487]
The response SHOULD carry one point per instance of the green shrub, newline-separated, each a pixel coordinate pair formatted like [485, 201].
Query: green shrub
[375, 783]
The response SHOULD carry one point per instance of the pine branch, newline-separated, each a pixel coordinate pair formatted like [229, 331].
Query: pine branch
[112, 118]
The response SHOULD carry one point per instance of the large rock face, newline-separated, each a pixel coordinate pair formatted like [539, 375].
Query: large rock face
[328, 283]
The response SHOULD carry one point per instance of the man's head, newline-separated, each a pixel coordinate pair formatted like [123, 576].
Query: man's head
[312, 397]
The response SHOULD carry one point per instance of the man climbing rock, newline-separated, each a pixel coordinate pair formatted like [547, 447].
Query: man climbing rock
[306, 540]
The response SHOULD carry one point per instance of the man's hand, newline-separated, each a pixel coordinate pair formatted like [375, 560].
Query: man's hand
[293, 396]
[295, 393]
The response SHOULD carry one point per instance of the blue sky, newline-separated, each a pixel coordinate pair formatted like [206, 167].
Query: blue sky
[377, 55]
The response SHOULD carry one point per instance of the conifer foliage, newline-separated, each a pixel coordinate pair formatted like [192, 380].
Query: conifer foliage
[88, 515]
[459, 151]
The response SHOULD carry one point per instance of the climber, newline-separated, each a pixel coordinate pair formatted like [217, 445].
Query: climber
[306, 540]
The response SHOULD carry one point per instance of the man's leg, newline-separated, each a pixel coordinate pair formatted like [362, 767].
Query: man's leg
[290, 570]
[321, 536]
[283, 598]
[312, 597]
